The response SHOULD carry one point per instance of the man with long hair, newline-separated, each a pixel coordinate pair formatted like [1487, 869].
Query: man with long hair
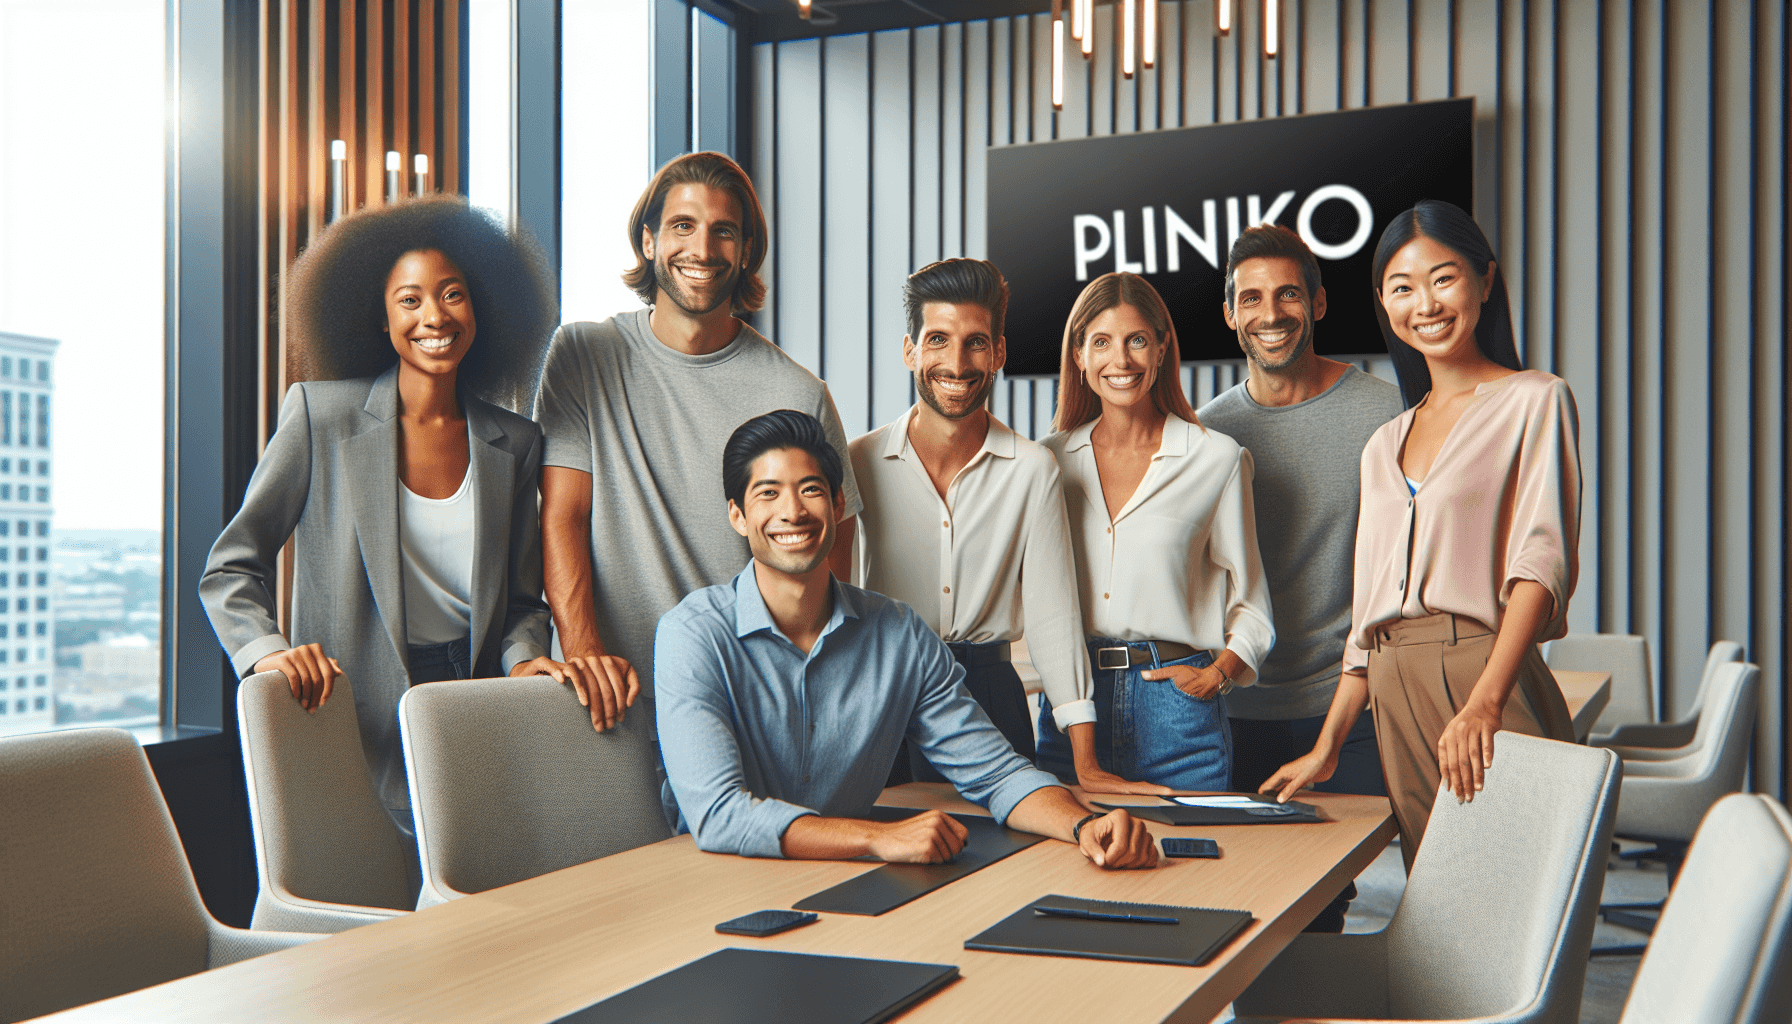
[631, 411]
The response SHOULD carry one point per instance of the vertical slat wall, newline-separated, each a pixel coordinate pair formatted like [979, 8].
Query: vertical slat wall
[379, 75]
[1631, 172]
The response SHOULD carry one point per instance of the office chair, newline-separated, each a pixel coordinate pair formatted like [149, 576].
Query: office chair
[1646, 741]
[509, 781]
[1497, 915]
[1723, 949]
[329, 855]
[1663, 801]
[1626, 657]
[96, 898]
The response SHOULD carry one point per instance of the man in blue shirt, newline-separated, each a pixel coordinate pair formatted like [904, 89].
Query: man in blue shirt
[784, 696]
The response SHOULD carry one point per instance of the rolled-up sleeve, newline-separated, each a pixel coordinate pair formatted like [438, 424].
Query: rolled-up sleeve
[952, 729]
[1543, 542]
[1232, 546]
[701, 752]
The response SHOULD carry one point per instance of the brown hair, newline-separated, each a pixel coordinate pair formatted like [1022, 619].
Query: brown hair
[1077, 404]
[716, 171]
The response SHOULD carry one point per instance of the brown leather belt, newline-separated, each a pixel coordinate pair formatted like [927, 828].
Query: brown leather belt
[1107, 653]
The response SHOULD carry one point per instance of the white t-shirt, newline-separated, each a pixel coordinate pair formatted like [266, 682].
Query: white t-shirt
[435, 538]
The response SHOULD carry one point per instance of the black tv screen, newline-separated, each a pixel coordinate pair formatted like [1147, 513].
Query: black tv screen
[1167, 204]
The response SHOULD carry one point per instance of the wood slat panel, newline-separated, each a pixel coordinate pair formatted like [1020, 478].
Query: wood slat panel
[845, 245]
[889, 171]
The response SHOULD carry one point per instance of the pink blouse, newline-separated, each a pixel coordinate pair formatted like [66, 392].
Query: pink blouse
[1501, 504]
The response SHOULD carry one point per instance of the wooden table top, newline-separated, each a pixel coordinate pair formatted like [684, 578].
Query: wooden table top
[1587, 694]
[535, 951]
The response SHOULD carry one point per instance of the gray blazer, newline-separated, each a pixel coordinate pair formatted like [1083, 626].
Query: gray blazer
[329, 478]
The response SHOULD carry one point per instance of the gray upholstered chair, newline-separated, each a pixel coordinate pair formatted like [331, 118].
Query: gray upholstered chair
[331, 858]
[96, 898]
[509, 781]
[1497, 916]
[1643, 741]
[1626, 657]
[1722, 953]
[1664, 800]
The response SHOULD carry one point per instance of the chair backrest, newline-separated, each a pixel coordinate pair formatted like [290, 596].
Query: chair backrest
[1722, 951]
[1626, 657]
[1720, 745]
[509, 781]
[1722, 653]
[1497, 916]
[96, 898]
[321, 832]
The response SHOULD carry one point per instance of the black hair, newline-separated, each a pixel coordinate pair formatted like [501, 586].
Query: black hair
[714, 170]
[1265, 241]
[335, 303]
[783, 428]
[956, 281]
[1448, 225]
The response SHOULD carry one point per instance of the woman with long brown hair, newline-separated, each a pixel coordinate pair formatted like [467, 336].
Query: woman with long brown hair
[1175, 605]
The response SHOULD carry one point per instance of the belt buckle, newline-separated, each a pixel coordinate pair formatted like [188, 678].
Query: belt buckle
[1123, 653]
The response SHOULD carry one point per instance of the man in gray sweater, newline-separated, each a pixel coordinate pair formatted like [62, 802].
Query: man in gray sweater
[1305, 420]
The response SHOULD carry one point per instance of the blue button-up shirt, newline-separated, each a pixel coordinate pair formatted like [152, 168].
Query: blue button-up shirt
[756, 734]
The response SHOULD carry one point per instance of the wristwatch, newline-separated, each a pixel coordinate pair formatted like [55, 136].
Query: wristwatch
[1076, 830]
[1225, 681]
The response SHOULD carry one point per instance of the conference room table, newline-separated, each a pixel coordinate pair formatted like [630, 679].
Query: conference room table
[535, 951]
[538, 950]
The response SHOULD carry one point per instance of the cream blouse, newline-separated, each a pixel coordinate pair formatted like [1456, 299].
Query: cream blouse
[1500, 504]
[1180, 561]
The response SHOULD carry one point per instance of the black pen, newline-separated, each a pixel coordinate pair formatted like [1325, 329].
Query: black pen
[1103, 915]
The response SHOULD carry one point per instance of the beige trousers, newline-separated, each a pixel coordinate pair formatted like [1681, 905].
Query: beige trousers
[1420, 674]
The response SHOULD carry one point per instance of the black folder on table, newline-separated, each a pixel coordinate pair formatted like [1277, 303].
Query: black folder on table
[892, 885]
[1198, 934]
[763, 986]
[1265, 812]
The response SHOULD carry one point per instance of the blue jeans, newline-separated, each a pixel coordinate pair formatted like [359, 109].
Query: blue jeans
[1147, 730]
[434, 663]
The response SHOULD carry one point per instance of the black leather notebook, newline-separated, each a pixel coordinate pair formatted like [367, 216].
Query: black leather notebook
[762, 986]
[892, 885]
[1198, 934]
[1261, 812]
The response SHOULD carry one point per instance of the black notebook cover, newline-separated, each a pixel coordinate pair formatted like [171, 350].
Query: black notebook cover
[762, 986]
[1269, 813]
[892, 885]
[1198, 934]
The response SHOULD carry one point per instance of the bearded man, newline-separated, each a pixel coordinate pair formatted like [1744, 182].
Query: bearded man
[632, 411]
[998, 564]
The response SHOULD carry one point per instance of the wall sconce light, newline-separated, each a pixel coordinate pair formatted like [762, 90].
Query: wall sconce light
[1272, 28]
[802, 9]
[1133, 50]
[394, 163]
[421, 165]
[1058, 53]
[1129, 33]
[1222, 10]
[338, 179]
[1150, 50]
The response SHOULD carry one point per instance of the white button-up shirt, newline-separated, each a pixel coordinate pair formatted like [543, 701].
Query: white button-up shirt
[988, 562]
[1180, 561]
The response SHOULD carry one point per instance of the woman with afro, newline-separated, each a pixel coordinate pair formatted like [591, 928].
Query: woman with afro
[401, 472]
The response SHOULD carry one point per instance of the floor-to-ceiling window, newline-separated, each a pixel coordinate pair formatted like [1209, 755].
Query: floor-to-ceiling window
[82, 221]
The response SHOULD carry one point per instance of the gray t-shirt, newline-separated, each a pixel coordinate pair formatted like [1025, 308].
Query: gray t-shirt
[649, 423]
[1306, 490]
